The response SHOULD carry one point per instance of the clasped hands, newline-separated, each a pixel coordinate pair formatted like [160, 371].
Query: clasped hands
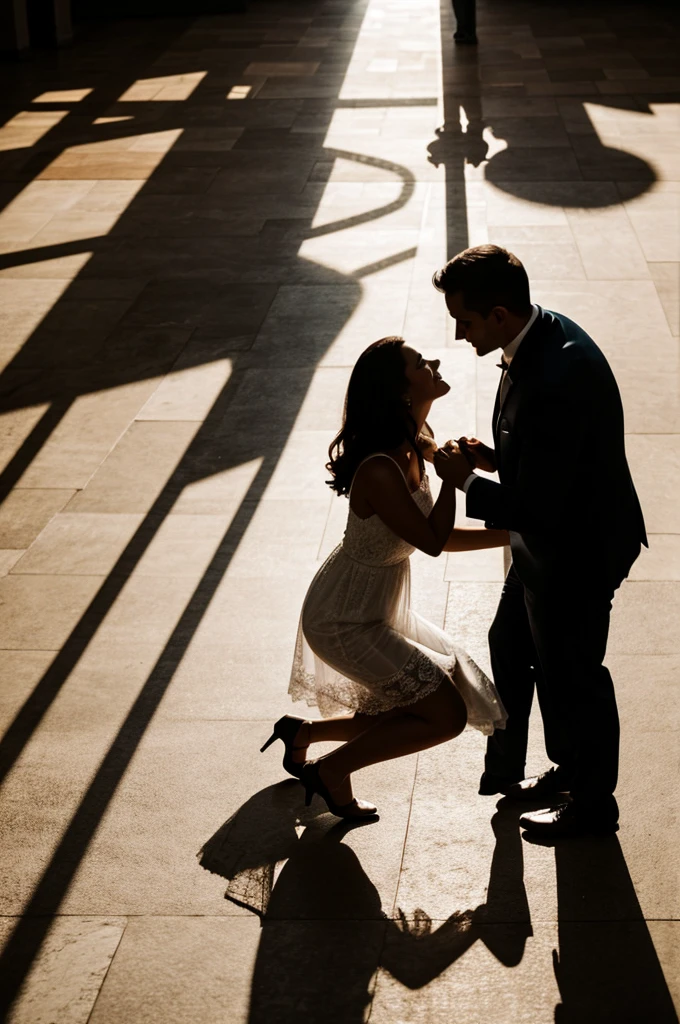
[455, 460]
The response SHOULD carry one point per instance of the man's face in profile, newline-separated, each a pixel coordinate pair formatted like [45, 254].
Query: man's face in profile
[485, 334]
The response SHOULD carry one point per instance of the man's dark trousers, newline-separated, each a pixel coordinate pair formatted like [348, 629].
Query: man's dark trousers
[555, 642]
[466, 16]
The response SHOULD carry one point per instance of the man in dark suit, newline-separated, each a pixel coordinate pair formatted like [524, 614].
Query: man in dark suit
[567, 498]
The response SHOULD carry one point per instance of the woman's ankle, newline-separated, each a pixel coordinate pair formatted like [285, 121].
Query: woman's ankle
[330, 774]
[303, 737]
[338, 785]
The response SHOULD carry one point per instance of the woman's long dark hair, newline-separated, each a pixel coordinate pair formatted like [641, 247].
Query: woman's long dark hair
[376, 417]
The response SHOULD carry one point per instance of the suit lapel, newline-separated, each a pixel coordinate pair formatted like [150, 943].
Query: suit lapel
[518, 366]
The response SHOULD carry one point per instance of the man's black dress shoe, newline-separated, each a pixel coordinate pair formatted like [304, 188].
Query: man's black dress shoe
[540, 787]
[465, 38]
[490, 785]
[565, 821]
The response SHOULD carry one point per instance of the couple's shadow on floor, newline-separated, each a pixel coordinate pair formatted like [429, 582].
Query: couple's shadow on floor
[325, 934]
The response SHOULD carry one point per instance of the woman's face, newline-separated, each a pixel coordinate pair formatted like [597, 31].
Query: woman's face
[425, 381]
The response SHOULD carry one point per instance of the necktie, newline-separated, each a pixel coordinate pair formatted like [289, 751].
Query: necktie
[505, 384]
[505, 380]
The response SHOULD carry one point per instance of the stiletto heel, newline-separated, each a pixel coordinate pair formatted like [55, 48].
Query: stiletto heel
[286, 729]
[354, 810]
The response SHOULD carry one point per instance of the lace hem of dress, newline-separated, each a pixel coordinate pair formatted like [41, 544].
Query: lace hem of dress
[419, 677]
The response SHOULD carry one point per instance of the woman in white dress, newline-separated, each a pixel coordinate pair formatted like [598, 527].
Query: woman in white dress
[387, 681]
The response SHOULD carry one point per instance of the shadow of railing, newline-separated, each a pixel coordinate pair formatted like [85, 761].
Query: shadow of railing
[198, 308]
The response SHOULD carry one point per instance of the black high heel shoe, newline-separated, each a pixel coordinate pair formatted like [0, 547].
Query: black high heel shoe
[354, 810]
[286, 729]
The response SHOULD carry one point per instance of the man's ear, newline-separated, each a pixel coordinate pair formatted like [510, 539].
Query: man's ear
[500, 315]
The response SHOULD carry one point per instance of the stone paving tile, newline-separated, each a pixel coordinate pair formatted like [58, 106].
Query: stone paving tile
[79, 545]
[41, 611]
[612, 313]
[188, 393]
[643, 619]
[607, 245]
[217, 679]
[667, 280]
[282, 959]
[148, 979]
[644, 685]
[83, 438]
[21, 671]
[133, 475]
[25, 513]
[282, 540]
[647, 840]
[331, 324]
[66, 977]
[653, 459]
[661, 561]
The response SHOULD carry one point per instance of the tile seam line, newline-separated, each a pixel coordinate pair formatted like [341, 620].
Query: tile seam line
[406, 831]
[337, 920]
[106, 973]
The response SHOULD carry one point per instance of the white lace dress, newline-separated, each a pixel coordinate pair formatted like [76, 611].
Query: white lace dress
[360, 646]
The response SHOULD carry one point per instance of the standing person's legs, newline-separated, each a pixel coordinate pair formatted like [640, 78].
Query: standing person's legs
[466, 19]
[513, 661]
[570, 631]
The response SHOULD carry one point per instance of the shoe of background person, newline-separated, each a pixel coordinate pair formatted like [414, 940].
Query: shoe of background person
[465, 39]
[566, 821]
[541, 787]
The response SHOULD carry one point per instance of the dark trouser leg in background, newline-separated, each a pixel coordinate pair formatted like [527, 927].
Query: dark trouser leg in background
[513, 657]
[570, 632]
[466, 17]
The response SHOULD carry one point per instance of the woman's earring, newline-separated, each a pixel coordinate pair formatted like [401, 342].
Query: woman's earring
[407, 402]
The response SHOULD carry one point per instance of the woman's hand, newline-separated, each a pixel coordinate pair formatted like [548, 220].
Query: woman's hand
[451, 465]
[478, 454]
[427, 445]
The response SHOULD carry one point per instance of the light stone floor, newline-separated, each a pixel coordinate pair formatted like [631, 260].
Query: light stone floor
[203, 223]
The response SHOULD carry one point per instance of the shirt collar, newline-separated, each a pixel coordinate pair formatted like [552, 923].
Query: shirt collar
[510, 350]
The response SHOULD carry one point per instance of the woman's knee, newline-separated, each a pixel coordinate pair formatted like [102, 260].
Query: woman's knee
[457, 717]
[449, 715]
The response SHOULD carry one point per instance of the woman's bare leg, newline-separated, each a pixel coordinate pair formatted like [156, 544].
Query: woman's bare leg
[436, 718]
[328, 730]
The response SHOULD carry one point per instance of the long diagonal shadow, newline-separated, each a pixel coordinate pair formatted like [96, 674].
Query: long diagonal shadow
[203, 458]
[606, 966]
[31, 713]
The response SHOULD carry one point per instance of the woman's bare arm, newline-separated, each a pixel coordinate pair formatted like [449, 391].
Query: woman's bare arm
[387, 493]
[473, 539]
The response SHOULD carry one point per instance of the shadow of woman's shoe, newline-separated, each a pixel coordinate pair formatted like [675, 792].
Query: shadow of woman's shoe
[247, 848]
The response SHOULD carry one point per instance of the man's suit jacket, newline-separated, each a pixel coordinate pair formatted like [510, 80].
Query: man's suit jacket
[565, 493]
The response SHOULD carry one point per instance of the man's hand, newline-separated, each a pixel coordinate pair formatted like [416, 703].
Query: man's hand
[478, 453]
[450, 464]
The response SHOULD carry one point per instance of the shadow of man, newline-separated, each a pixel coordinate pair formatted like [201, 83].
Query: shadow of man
[607, 969]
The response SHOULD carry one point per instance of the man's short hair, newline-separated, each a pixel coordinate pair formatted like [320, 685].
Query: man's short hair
[487, 276]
